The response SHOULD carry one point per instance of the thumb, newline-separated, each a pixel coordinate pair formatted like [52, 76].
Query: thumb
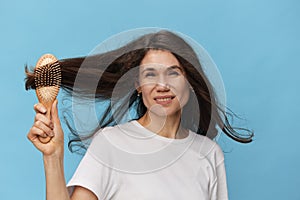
[54, 113]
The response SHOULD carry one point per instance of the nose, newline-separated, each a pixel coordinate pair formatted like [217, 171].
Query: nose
[162, 84]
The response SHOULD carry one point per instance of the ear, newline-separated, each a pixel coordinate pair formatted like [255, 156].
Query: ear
[137, 86]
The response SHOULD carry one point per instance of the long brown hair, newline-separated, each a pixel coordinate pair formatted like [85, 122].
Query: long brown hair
[114, 64]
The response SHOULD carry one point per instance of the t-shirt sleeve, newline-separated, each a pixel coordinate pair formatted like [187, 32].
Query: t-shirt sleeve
[222, 183]
[94, 176]
[219, 186]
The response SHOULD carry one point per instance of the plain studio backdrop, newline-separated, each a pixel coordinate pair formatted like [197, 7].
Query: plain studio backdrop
[254, 43]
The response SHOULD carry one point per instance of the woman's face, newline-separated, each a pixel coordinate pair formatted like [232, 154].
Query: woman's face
[162, 83]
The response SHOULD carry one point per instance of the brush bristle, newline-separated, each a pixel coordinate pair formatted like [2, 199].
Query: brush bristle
[47, 80]
[47, 75]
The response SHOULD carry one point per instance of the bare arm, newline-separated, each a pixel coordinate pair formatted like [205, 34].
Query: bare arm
[55, 179]
[81, 193]
[56, 185]
[53, 155]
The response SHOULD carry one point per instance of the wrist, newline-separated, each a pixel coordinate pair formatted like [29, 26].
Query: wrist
[53, 158]
[54, 166]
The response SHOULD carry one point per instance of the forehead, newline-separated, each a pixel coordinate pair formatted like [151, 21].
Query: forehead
[160, 57]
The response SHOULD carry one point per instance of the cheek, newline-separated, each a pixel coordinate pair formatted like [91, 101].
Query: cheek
[183, 92]
[146, 94]
[186, 96]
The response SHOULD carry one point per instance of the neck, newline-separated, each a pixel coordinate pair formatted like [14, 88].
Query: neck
[167, 126]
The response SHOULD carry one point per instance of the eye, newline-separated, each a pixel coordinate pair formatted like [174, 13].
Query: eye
[149, 74]
[173, 73]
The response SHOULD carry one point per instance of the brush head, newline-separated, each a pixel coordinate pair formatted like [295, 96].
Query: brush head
[47, 78]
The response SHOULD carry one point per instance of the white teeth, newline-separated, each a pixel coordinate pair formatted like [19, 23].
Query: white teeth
[163, 99]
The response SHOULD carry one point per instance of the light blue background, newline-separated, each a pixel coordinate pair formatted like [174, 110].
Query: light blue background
[255, 44]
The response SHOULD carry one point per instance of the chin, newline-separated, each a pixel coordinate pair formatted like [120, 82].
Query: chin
[164, 112]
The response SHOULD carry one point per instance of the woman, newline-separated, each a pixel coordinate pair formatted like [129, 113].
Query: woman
[152, 141]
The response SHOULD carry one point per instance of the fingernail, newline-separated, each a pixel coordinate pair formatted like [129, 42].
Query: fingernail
[51, 134]
[43, 110]
[51, 125]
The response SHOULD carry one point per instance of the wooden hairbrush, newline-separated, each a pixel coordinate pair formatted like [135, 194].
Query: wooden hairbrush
[47, 78]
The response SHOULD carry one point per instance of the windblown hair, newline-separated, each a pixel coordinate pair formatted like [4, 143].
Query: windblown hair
[99, 77]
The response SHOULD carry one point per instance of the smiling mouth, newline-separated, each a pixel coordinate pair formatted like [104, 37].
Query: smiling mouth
[164, 99]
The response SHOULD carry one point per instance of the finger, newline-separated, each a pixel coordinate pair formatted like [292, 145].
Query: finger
[44, 119]
[40, 108]
[34, 133]
[36, 136]
[46, 129]
[56, 122]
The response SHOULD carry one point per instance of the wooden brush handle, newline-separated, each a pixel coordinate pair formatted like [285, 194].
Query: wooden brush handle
[44, 140]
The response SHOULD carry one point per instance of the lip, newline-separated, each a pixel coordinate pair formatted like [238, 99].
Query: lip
[164, 100]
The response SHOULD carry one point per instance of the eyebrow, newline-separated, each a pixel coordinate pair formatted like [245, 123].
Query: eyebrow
[176, 67]
[171, 67]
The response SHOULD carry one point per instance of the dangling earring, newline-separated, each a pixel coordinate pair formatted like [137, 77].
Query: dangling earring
[191, 88]
[138, 94]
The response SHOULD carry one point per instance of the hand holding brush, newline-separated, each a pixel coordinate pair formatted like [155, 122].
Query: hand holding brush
[47, 78]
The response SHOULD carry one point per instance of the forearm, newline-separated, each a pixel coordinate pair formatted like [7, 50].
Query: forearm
[55, 180]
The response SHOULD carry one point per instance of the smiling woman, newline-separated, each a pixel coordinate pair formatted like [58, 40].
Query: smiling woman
[166, 146]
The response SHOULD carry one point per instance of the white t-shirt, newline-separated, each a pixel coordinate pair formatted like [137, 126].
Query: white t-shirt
[130, 162]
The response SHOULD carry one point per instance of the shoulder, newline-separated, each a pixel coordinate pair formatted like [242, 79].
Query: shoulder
[209, 149]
